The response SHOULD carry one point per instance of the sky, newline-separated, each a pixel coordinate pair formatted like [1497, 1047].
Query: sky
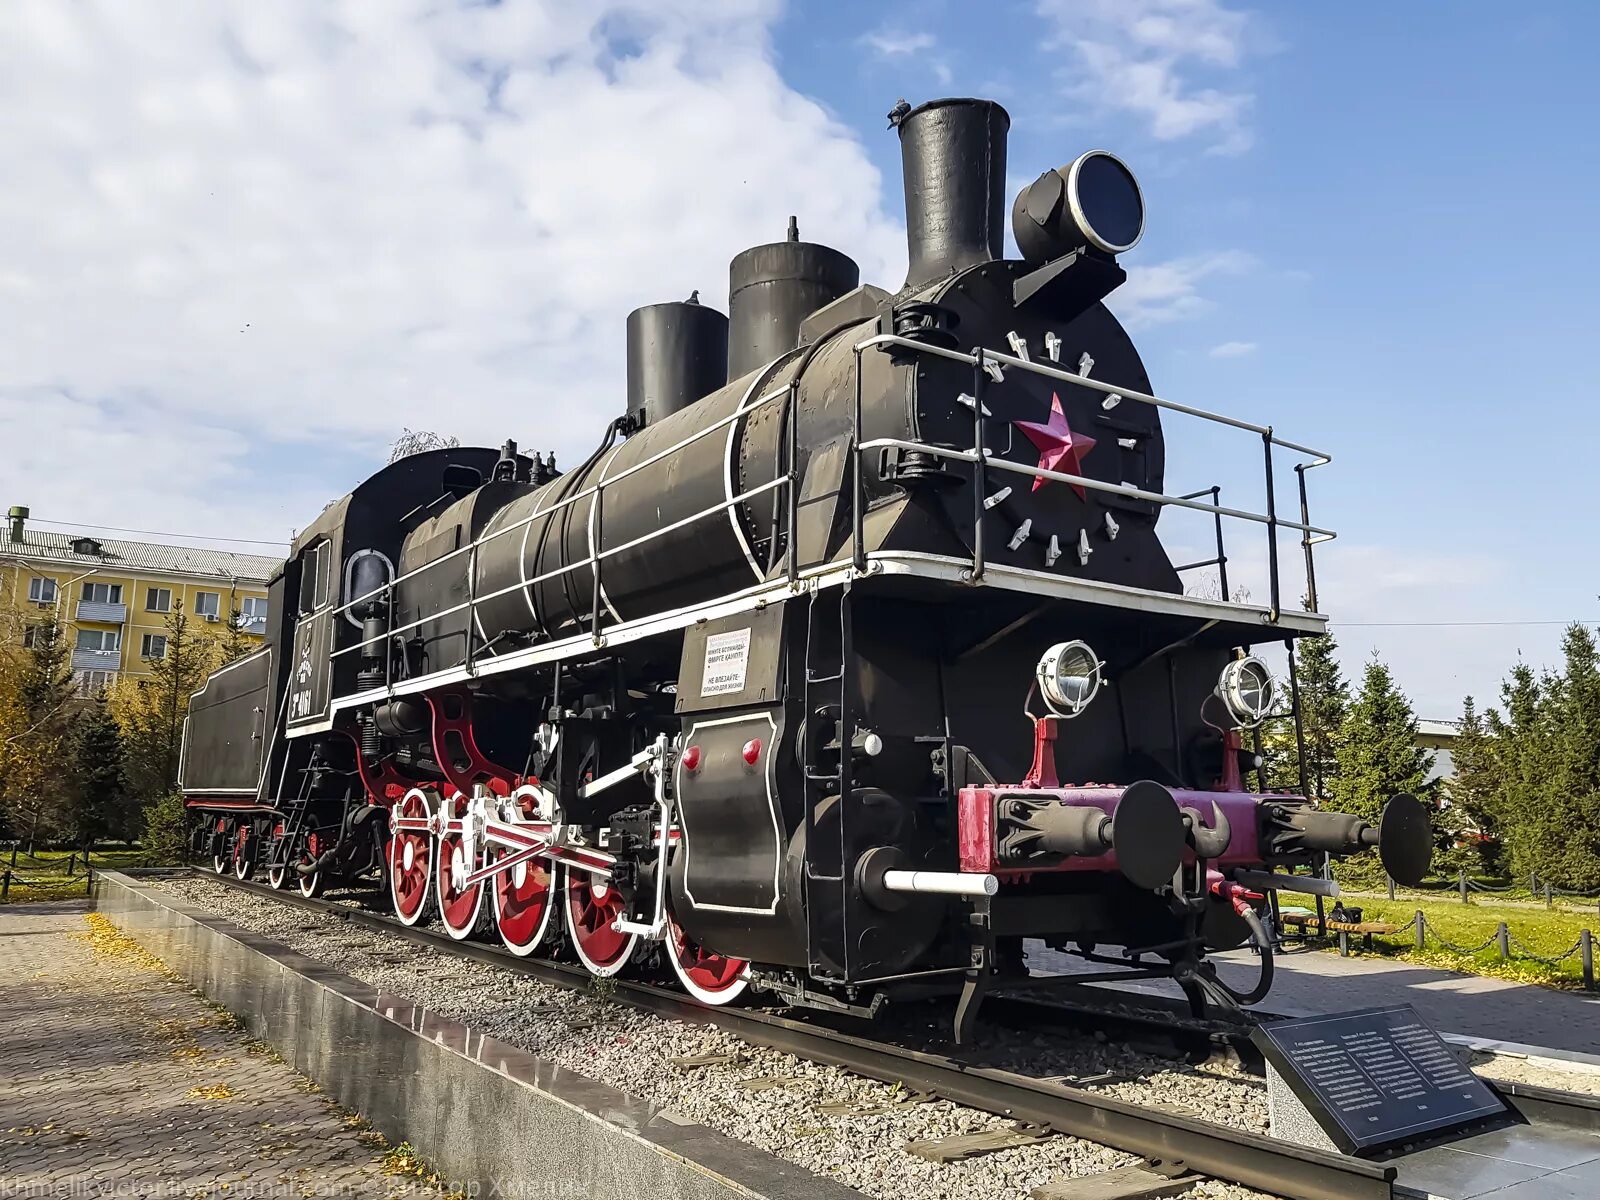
[242, 246]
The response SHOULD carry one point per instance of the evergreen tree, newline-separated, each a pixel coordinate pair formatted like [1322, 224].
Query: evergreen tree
[1324, 699]
[1324, 705]
[165, 836]
[1378, 754]
[1518, 739]
[150, 711]
[46, 685]
[233, 642]
[41, 697]
[95, 788]
[1474, 789]
[1563, 827]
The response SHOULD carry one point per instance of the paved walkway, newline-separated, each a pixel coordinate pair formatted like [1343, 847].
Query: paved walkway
[117, 1079]
[1317, 981]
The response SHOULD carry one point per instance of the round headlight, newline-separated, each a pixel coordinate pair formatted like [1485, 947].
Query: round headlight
[1069, 677]
[1247, 689]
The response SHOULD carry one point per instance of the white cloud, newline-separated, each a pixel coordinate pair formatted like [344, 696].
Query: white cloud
[889, 43]
[1232, 350]
[244, 227]
[1170, 291]
[1144, 57]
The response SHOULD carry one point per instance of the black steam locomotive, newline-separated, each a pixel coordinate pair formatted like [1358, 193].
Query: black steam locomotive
[773, 685]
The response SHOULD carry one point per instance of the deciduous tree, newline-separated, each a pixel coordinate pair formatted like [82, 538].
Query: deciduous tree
[150, 711]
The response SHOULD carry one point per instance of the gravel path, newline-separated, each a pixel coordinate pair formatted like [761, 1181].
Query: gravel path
[784, 1105]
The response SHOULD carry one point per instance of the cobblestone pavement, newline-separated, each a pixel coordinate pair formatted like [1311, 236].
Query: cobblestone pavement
[117, 1080]
[1313, 982]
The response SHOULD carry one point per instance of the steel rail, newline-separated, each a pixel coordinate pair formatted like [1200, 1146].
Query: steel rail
[1235, 1156]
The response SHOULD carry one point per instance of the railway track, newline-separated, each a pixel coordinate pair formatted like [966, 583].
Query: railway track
[1174, 1142]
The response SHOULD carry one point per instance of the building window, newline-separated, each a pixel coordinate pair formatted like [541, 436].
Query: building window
[99, 639]
[153, 645]
[208, 604]
[36, 635]
[102, 593]
[158, 600]
[253, 611]
[92, 683]
[42, 590]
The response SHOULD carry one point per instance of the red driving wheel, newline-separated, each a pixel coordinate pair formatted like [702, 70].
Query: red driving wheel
[459, 907]
[709, 977]
[411, 860]
[592, 906]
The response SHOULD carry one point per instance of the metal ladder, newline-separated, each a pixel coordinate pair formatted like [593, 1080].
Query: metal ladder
[825, 693]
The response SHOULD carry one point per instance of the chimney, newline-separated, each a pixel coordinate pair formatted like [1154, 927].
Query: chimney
[953, 156]
[18, 514]
[677, 352]
[775, 287]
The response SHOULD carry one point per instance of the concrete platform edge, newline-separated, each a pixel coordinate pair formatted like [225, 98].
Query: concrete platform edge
[493, 1119]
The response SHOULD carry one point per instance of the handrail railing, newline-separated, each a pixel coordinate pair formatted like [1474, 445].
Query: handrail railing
[982, 360]
[983, 459]
[704, 431]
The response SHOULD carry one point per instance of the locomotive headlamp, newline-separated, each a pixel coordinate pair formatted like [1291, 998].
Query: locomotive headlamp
[1247, 690]
[1068, 677]
[1093, 201]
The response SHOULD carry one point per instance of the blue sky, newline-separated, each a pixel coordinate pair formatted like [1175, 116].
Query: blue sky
[258, 241]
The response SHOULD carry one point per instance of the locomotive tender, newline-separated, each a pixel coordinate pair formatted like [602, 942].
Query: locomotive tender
[780, 684]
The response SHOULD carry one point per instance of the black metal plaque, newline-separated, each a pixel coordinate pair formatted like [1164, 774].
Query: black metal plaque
[1376, 1076]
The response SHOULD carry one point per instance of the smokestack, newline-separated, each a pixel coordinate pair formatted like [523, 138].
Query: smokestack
[773, 288]
[677, 352]
[18, 514]
[953, 154]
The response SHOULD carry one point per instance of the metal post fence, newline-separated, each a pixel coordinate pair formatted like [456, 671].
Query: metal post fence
[1502, 937]
[1421, 923]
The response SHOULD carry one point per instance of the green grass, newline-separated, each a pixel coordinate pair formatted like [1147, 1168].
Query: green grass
[1546, 933]
[46, 872]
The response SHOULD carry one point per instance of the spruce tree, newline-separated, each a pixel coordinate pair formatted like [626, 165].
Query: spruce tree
[34, 753]
[1378, 755]
[1564, 832]
[233, 643]
[1518, 740]
[1324, 699]
[46, 685]
[95, 789]
[1474, 789]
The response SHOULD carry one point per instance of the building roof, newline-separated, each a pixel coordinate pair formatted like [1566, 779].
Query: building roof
[47, 545]
[1439, 729]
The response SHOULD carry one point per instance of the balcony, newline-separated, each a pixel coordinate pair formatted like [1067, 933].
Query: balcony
[96, 660]
[90, 610]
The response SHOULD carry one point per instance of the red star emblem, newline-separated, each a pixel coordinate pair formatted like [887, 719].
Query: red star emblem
[1059, 448]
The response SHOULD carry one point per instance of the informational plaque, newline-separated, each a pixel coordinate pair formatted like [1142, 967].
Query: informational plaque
[1374, 1077]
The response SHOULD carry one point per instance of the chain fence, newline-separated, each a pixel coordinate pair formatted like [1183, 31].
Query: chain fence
[1508, 946]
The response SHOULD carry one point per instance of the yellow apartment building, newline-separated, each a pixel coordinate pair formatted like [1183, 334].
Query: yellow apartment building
[112, 598]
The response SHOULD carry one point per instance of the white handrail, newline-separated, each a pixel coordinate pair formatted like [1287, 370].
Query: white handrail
[1110, 389]
[992, 459]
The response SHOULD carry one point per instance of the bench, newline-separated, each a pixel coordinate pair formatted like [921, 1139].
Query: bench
[1307, 921]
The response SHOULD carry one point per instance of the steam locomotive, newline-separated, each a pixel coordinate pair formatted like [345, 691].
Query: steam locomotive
[779, 686]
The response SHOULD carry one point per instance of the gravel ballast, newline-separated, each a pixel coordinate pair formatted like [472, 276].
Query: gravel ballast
[768, 1099]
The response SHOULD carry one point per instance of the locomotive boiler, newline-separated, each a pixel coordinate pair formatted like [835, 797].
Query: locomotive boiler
[778, 689]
